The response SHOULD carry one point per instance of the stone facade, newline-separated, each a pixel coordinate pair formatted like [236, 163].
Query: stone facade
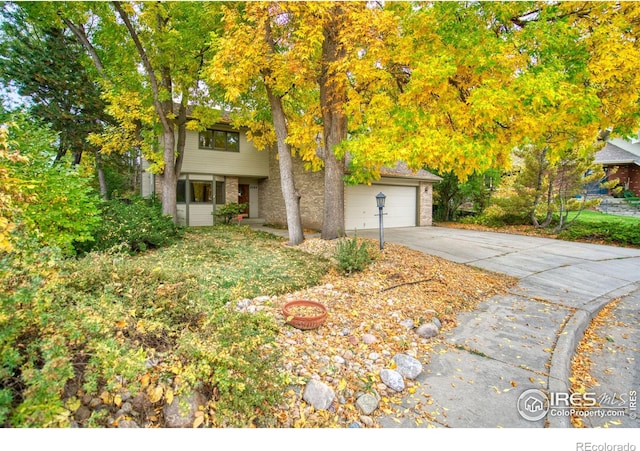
[231, 189]
[425, 204]
[310, 185]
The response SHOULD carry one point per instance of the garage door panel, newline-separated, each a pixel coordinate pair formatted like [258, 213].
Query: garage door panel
[361, 211]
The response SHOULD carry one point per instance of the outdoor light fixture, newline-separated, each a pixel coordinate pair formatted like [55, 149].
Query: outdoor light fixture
[380, 198]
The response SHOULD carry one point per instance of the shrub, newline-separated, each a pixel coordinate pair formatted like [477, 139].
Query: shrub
[353, 256]
[136, 225]
[229, 211]
[625, 234]
[54, 203]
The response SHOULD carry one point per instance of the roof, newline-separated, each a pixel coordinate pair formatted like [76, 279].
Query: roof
[401, 170]
[611, 154]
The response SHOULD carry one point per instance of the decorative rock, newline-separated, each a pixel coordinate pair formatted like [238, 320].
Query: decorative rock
[374, 356]
[407, 366]
[427, 330]
[369, 339]
[348, 355]
[367, 421]
[367, 403]
[130, 424]
[318, 394]
[355, 425]
[339, 360]
[408, 323]
[83, 413]
[437, 322]
[392, 379]
[181, 413]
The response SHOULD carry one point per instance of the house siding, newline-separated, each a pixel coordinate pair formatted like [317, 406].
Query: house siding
[248, 162]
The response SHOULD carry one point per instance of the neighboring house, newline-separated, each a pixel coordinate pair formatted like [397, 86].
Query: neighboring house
[625, 156]
[221, 166]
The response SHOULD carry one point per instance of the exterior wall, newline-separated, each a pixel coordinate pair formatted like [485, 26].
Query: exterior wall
[248, 162]
[629, 174]
[425, 204]
[310, 185]
[231, 189]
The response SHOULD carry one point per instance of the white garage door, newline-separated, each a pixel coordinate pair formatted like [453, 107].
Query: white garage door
[361, 211]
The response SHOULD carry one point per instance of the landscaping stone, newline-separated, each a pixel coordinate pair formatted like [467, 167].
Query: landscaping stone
[407, 366]
[128, 424]
[392, 379]
[437, 322]
[369, 339]
[427, 330]
[367, 403]
[318, 394]
[366, 420]
[408, 323]
[82, 414]
[181, 413]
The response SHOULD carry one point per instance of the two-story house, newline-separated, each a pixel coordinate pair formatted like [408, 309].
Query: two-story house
[221, 166]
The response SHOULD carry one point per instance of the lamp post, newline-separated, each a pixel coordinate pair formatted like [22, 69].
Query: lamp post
[380, 198]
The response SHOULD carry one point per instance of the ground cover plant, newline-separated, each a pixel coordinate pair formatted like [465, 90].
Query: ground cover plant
[590, 226]
[82, 335]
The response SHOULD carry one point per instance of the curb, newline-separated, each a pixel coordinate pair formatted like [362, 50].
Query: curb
[568, 340]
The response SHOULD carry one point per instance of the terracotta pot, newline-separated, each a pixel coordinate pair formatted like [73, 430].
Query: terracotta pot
[304, 322]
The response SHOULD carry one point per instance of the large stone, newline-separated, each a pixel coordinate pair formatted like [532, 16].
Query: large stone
[369, 339]
[318, 394]
[427, 330]
[367, 403]
[392, 379]
[181, 413]
[407, 366]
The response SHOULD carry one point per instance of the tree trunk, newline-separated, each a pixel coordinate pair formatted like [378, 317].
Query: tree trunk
[332, 98]
[104, 191]
[169, 179]
[287, 182]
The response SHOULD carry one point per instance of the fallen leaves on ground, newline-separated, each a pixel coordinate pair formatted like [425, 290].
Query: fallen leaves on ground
[581, 378]
[399, 291]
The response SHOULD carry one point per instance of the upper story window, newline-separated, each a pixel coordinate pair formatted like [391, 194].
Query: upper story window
[220, 140]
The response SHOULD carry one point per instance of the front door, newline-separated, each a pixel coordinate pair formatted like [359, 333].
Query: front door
[243, 197]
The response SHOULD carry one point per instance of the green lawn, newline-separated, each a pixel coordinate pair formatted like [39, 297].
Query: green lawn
[111, 324]
[589, 216]
[598, 227]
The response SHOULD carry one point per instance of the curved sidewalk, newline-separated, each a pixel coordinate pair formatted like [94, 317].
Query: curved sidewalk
[518, 341]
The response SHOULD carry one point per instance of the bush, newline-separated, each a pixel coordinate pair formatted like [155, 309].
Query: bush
[54, 203]
[229, 211]
[353, 256]
[136, 225]
[625, 234]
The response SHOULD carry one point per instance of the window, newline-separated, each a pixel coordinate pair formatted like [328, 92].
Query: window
[220, 140]
[181, 192]
[199, 192]
[221, 197]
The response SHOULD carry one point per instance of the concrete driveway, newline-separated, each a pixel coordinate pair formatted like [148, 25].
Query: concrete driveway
[522, 340]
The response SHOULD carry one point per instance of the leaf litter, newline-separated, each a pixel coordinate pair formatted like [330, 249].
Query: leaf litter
[372, 316]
